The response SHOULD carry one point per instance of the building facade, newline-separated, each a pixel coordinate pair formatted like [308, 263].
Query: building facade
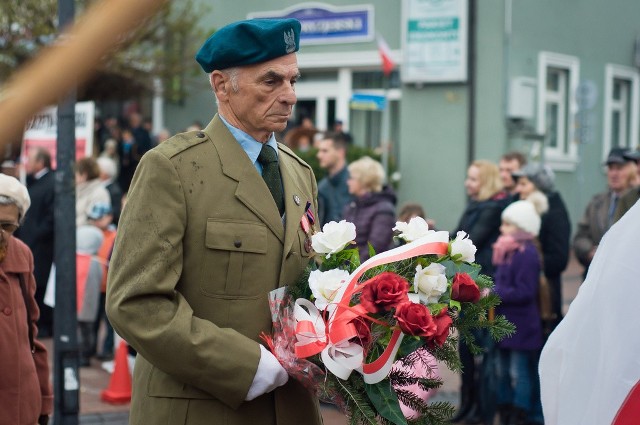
[556, 80]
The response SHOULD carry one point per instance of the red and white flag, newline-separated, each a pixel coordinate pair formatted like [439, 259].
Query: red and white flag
[385, 53]
[590, 366]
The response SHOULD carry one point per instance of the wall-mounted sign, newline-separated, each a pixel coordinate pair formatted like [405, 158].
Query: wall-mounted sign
[434, 41]
[326, 24]
[367, 102]
[42, 131]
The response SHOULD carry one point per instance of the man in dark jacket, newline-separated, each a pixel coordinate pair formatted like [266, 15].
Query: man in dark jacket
[333, 193]
[599, 213]
[632, 195]
[38, 228]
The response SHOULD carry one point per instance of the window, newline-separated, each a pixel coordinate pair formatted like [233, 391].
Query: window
[558, 77]
[620, 108]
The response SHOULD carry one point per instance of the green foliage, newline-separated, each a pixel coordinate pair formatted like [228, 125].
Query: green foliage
[301, 289]
[385, 400]
[163, 46]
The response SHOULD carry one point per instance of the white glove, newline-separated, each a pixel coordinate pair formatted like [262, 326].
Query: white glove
[269, 376]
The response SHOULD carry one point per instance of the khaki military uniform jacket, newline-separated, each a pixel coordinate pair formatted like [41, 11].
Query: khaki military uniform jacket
[200, 245]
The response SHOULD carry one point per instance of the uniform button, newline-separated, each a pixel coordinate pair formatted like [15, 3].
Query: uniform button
[200, 135]
[237, 243]
[7, 311]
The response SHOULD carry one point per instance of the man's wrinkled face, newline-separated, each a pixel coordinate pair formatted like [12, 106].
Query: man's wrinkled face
[617, 177]
[261, 98]
[8, 216]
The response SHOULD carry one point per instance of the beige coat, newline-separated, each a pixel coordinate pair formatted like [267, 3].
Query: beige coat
[200, 244]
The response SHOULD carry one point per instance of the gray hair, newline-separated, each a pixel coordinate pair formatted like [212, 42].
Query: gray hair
[107, 166]
[5, 200]
[232, 74]
[541, 176]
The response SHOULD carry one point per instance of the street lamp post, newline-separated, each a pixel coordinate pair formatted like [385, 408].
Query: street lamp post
[66, 379]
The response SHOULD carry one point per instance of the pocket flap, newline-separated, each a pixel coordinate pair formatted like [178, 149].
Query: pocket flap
[163, 385]
[234, 235]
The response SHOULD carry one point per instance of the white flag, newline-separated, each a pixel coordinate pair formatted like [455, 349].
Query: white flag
[590, 366]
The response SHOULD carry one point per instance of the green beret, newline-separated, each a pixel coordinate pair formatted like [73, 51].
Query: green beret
[249, 42]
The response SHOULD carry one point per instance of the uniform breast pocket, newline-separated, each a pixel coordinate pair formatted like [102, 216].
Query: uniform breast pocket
[236, 251]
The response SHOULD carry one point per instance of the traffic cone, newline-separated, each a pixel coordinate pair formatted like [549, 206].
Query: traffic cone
[119, 389]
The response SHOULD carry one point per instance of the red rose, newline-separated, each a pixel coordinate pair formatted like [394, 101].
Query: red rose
[363, 328]
[443, 323]
[464, 288]
[383, 292]
[415, 319]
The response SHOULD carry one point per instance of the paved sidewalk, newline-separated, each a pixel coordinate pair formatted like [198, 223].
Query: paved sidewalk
[93, 379]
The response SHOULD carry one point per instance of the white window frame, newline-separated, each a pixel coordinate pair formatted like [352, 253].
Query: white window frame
[615, 72]
[564, 157]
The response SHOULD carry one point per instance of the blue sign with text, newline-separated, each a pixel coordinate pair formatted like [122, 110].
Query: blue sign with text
[327, 24]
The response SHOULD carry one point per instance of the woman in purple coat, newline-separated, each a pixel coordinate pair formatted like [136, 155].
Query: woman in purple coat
[518, 268]
[373, 208]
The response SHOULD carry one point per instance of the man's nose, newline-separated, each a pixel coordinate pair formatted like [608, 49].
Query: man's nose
[289, 95]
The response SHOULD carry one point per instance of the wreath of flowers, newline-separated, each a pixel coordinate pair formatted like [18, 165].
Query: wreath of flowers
[342, 326]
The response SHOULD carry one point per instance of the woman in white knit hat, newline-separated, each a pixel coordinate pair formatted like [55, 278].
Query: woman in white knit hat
[518, 266]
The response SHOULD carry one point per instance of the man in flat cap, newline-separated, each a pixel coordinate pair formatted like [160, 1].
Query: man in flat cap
[600, 212]
[632, 195]
[212, 225]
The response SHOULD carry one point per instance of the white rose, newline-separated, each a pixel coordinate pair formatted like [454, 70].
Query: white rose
[464, 246]
[430, 283]
[326, 285]
[415, 229]
[334, 237]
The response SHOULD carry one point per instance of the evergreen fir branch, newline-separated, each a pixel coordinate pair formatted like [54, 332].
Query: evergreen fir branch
[483, 281]
[439, 413]
[361, 410]
[448, 354]
[402, 378]
[501, 328]
[301, 289]
[427, 384]
[412, 400]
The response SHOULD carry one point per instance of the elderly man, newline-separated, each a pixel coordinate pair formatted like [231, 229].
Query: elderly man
[212, 225]
[38, 228]
[25, 390]
[108, 174]
[600, 212]
[632, 195]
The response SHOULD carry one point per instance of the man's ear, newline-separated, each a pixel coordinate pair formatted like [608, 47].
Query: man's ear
[219, 84]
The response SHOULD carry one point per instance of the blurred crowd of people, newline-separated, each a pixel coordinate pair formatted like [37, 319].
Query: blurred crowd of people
[515, 217]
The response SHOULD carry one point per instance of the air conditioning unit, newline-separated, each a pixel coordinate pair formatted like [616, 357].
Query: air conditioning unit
[522, 98]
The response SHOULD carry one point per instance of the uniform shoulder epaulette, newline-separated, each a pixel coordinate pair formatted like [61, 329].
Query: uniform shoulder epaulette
[285, 149]
[181, 142]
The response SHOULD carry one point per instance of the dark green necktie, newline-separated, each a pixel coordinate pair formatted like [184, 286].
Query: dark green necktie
[271, 175]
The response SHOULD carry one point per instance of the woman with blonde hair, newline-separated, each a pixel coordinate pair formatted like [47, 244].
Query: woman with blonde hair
[373, 207]
[481, 221]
